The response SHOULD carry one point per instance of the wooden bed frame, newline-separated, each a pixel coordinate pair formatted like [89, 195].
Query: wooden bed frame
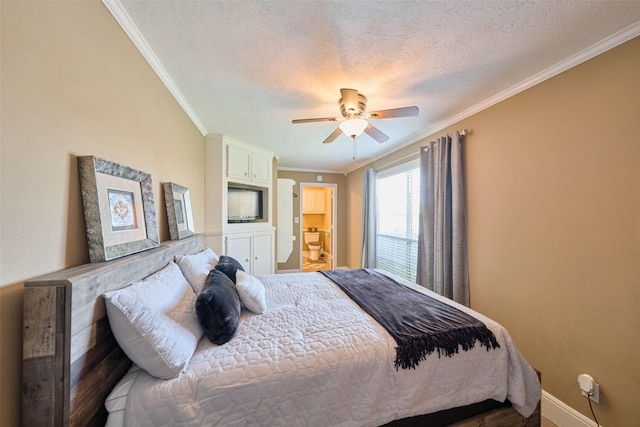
[71, 360]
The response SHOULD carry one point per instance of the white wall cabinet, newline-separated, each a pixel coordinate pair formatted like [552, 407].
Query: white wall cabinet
[313, 202]
[263, 250]
[238, 246]
[229, 162]
[253, 250]
[261, 166]
[238, 162]
[245, 164]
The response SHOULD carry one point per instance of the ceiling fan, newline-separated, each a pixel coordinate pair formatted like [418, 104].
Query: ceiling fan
[354, 118]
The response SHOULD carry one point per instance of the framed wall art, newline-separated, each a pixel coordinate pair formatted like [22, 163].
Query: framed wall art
[178, 202]
[119, 209]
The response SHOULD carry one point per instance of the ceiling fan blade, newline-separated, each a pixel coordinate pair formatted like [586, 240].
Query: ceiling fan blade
[375, 133]
[333, 136]
[394, 112]
[349, 100]
[319, 119]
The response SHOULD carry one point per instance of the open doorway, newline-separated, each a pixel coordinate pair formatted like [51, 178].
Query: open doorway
[318, 226]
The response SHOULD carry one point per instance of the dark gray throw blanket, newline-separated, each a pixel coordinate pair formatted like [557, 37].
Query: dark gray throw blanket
[419, 324]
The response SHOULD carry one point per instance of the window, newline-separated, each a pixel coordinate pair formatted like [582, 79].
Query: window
[397, 213]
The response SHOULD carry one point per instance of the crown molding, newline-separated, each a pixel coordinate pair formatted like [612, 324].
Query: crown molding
[592, 51]
[304, 170]
[123, 18]
[626, 34]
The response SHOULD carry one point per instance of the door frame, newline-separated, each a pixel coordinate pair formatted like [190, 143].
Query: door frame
[334, 220]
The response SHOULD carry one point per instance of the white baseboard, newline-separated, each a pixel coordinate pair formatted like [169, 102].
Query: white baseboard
[562, 414]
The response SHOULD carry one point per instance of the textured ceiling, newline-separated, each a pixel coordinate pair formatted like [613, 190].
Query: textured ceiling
[247, 68]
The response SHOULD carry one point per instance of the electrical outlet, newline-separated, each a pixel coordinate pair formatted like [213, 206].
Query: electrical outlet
[595, 394]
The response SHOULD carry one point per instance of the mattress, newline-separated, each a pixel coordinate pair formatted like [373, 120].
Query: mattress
[315, 358]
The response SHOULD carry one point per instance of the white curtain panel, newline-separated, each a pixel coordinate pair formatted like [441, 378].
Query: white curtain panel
[443, 265]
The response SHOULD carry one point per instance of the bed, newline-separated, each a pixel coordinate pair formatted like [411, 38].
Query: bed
[313, 358]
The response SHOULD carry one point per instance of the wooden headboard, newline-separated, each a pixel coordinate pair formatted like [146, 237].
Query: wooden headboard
[70, 359]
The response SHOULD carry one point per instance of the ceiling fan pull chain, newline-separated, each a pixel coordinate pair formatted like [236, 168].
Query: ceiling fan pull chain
[355, 148]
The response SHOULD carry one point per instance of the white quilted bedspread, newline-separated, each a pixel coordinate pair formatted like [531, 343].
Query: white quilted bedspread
[316, 359]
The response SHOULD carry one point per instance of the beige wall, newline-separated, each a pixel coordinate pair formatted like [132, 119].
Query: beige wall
[73, 84]
[293, 263]
[553, 183]
[553, 179]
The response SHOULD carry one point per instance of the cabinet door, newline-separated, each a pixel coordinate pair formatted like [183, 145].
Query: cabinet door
[238, 246]
[260, 168]
[313, 201]
[238, 162]
[263, 253]
[319, 201]
[308, 201]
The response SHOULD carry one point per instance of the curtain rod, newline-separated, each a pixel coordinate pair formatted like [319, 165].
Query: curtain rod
[463, 132]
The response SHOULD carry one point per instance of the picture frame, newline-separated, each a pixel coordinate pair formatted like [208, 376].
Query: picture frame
[179, 214]
[119, 209]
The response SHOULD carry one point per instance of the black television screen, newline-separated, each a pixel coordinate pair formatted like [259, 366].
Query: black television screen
[244, 205]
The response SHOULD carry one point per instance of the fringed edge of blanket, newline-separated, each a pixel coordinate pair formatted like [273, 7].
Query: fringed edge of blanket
[413, 349]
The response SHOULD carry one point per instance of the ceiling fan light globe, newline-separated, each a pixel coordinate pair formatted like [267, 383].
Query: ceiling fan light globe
[353, 127]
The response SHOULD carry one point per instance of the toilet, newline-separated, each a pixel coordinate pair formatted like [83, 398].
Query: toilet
[312, 239]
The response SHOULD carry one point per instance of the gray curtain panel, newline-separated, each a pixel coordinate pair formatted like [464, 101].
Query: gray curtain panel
[443, 265]
[368, 254]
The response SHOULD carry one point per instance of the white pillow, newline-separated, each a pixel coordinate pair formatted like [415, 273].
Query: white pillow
[196, 267]
[155, 322]
[251, 292]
